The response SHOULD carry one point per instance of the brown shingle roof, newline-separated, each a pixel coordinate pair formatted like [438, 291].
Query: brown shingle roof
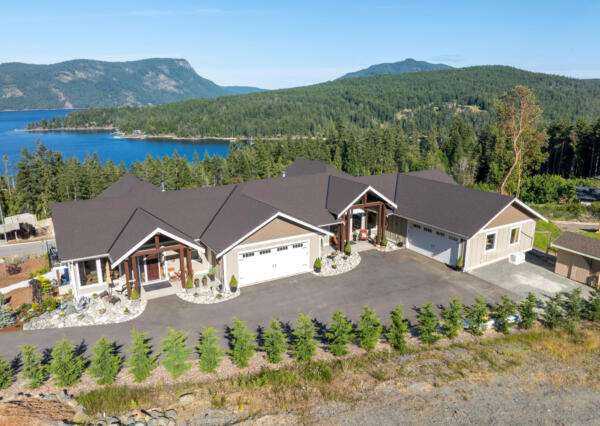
[581, 244]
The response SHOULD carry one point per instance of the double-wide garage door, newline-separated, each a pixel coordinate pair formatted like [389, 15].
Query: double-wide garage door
[433, 243]
[269, 263]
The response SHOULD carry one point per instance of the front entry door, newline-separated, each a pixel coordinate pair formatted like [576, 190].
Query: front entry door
[152, 267]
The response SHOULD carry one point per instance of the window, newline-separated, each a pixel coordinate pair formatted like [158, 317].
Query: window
[490, 242]
[427, 230]
[416, 226]
[245, 255]
[88, 273]
[267, 251]
[282, 248]
[441, 234]
[515, 235]
[298, 245]
[453, 238]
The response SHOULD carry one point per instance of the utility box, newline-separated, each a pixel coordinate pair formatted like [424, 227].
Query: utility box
[516, 258]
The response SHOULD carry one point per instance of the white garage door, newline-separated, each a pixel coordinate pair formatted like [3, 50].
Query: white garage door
[432, 243]
[265, 264]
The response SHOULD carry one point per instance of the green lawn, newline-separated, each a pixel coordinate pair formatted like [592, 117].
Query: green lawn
[541, 234]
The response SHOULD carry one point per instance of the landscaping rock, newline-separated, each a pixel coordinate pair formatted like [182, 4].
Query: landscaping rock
[186, 399]
[342, 264]
[81, 415]
[171, 414]
[207, 295]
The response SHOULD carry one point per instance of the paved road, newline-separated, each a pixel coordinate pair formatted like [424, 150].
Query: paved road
[24, 248]
[381, 281]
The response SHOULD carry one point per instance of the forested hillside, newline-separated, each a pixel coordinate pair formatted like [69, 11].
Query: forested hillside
[86, 83]
[401, 67]
[426, 100]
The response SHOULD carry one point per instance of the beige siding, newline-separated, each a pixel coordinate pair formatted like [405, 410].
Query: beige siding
[476, 245]
[230, 260]
[277, 228]
[396, 229]
[511, 215]
[575, 267]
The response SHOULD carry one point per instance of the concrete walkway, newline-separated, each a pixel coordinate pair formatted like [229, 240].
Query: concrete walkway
[382, 280]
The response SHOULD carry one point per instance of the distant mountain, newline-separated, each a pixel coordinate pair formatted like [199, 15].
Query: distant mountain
[86, 83]
[402, 67]
[242, 90]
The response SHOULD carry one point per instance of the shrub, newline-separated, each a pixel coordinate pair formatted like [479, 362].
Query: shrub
[527, 312]
[318, 264]
[477, 316]
[233, 283]
[33, 370]
[384, 241]
[105, 364]
[6, 374]
[460, 263]
[45, 284]
[574, 305]
[66, 367]
[552, 315]
[593, 306]
[176, 353]
[49, 305]
[13, 269]
[242, 346]
[141, 361]
[6, 317]
[209, 351]
[427, 320]
[339, 334]
[305, 345]
[347, 248]
[502, 312]
[189, 283]
[369, 329]
[275, 342]
[452, 316]
[398, 329]
[135, 294]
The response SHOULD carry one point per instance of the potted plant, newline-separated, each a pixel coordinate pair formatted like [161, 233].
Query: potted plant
[355, 235]
[459, 264]
[135, 296]
[318, 265]
[347, 248]
[204, 280]
[196, 282]
[384, 241]
[211, 273]
[233, 284]
[189, 284]
[334, 266]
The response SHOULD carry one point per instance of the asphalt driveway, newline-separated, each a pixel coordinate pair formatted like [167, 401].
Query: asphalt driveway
[381, 281]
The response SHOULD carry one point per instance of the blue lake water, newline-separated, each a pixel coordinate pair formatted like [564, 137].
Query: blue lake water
[104, 144]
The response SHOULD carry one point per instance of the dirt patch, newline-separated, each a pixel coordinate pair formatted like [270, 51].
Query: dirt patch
[27, 267]
[33, 411]
[18, 297]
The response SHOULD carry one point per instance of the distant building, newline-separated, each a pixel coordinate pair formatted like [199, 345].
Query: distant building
[587, 195]
[19, 226]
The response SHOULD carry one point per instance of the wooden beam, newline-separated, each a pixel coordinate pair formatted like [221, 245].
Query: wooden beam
[182, 268]
[127, 278]
[365, 198]
[364, 205]
[136, 273]
[157, 241]
[189, 263]
[160, 250]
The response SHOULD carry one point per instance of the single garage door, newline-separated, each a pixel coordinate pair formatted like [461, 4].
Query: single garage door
[432, 243]
[273, 262]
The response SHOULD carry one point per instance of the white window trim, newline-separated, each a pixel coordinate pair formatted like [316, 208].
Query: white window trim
[495, 234]
[518, 236]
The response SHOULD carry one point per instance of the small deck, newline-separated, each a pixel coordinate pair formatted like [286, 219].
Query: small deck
[158, 289]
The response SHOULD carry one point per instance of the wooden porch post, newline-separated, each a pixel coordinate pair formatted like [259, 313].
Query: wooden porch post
[156, 241]
[136, 273]
[182, 268]
[379, 225]
[127, 282]
[189, 263]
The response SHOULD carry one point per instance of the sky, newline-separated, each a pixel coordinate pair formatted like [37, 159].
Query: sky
[275, 44]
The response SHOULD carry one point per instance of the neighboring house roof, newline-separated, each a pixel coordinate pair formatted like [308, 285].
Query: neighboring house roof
[579, 244]
[587, 194]
[9, 227]
[21, 218]
[312, 194]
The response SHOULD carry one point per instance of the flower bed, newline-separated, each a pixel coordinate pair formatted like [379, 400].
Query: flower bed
[338, 264]
[205, 295]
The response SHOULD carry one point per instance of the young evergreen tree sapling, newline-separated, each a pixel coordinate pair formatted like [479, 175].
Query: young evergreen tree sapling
[339, 334]
[209, 351]
[176, 353]
[141, 362]
[398, 330]
[105, 364]
[275, 342]
[242, 344]
[369, 329]
[305, 345]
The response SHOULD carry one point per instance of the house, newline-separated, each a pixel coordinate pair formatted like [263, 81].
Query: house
[577, 258]
[136, 235]
[19, 226]
[587, 195]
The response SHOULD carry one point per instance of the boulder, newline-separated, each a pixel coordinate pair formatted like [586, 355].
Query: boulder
[186, 399]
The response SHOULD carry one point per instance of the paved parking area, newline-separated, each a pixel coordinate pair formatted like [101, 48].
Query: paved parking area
[535, 275]
[381, 281]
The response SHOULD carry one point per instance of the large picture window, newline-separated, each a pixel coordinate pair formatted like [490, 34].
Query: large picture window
[88, 273]
[490, 242]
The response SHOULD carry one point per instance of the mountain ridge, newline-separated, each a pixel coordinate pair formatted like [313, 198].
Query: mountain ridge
[85, 83]
[405, 66]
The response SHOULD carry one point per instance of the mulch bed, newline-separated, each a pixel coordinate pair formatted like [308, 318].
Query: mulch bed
[27, 267]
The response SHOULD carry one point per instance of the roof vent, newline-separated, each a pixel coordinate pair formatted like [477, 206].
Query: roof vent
[162, 186]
